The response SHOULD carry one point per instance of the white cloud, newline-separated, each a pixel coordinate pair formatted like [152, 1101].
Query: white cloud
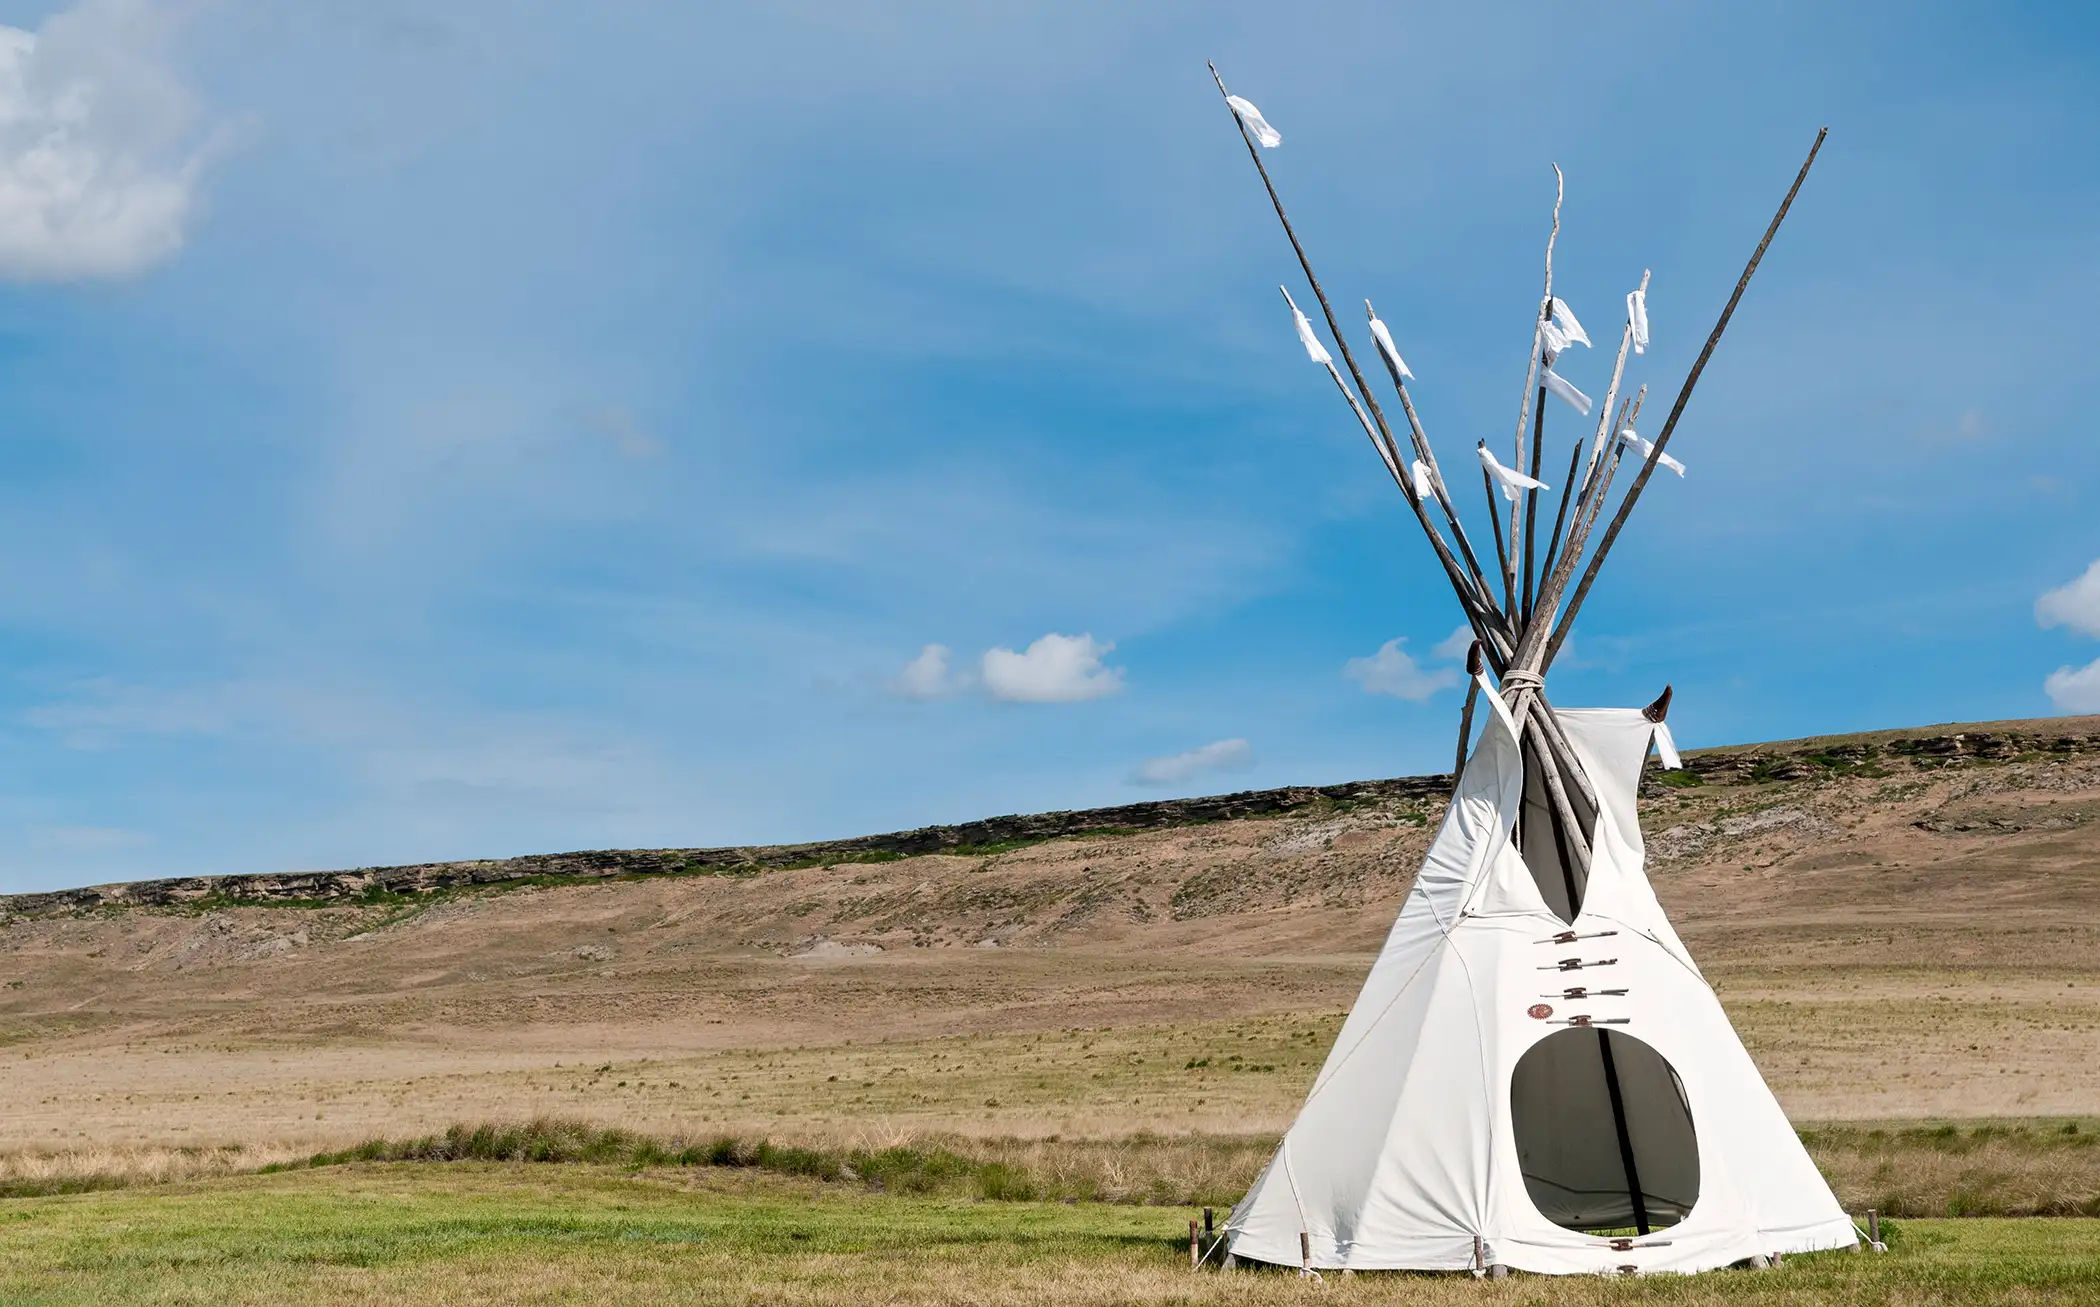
[926, 676]
[99, 154]
[2076, 605]
[2075, 689]
[1392, 670]
[1219, 755]
[1456, 645]
[1055, 669]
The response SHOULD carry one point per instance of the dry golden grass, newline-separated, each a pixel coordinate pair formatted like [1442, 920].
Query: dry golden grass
[120, 1166]
[2033, 1168]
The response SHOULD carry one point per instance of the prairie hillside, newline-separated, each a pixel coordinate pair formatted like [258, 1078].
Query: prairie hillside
[1902, 925]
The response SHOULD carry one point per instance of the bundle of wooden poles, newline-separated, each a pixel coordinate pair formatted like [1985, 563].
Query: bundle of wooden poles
[1519, 619]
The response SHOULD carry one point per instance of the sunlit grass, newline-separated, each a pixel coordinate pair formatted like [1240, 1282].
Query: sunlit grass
[388, 1235]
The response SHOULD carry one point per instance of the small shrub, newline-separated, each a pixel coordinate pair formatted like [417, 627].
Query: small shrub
[998, 1182]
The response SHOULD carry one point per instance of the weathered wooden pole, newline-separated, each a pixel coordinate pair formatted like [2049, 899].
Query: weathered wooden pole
[1428, 456]
[1684, 394]
[1382, 435]
[1531, 382]
[1531, 507]
[1475, 663]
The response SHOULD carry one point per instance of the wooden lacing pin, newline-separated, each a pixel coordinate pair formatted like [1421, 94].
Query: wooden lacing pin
[1305, 1270]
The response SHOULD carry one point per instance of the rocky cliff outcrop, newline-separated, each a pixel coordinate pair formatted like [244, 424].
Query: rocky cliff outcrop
[1790, 761]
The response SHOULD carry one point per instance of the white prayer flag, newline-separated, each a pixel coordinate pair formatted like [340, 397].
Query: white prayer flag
[1646, 448]
[1269, 137]
[1666, 745]
[1425, 482]
[1563, 318]
[1385, 345]
[1514, 483]
[1637, 314]
[1560, 386]
[1314, 350]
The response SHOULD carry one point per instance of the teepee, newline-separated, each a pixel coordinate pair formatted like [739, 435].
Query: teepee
[1535, 1075]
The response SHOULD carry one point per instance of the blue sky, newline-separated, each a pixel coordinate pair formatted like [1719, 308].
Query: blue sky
[452, 430]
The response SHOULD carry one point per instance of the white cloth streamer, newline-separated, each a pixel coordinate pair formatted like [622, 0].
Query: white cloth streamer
[1561, 386]
[1269, 137]
[1637, 314]
[1563, 318]
[1646, 447]
[1314, 350]
[1666, 747]
[1514, 483]
[1385, 346]
[1425, 481]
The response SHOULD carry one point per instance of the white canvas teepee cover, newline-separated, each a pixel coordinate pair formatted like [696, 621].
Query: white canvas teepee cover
[1422, 1130]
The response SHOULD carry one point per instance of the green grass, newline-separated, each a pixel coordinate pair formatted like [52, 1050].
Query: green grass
[490, 1233]
[2014, 1168]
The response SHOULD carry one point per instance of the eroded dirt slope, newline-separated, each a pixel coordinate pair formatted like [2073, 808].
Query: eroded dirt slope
[1895, 932]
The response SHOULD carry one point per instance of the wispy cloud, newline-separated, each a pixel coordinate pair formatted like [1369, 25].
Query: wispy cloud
[391, 743]
[1055, 669]
[926, 676]
[91, 839]
[1219, 755]
[618, 427]
[1393, 671]
[1454, 646]
[1969, 427]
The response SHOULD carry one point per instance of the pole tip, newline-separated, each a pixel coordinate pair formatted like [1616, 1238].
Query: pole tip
[1660, 709]
[1475, 663]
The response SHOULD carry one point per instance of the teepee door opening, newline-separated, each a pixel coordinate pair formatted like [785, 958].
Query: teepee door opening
[1604, 1135]
[1558, 870]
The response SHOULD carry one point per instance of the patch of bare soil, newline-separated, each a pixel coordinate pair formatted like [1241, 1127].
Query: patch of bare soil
[1893, 939]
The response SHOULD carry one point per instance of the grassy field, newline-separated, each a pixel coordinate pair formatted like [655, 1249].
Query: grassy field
[1007, 1076]
[493, 1233]
[2025, 1168]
